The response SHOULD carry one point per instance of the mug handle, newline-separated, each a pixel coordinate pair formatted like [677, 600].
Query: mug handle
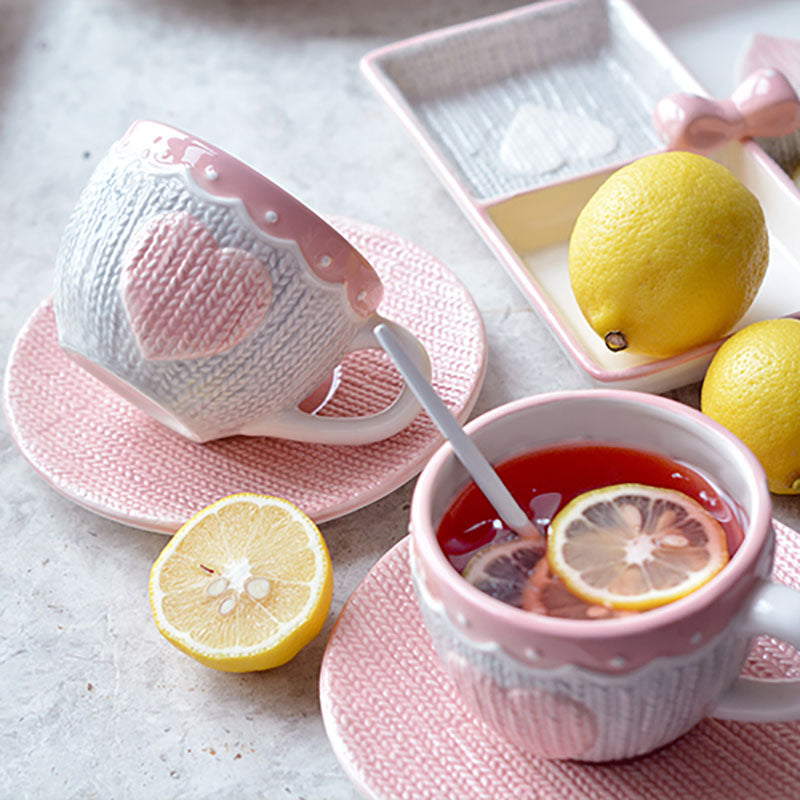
[301, 427]
[774, 611]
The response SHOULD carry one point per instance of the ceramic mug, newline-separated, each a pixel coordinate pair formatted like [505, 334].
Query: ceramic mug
[212, 299]
[598, 690]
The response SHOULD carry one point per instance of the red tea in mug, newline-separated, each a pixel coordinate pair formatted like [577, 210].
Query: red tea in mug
[543, 482]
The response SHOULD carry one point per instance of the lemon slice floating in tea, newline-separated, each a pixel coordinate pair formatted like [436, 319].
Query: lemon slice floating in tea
[635, 547]
[516, 572]
[503, 570]
[244, 585]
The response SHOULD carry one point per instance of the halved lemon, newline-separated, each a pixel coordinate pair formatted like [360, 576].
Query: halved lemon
[635, 547]
[244, 585]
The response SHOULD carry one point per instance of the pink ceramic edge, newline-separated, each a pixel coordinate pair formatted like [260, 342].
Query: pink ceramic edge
[745, 556]
[76, 498]
[340, 750]
[376, 75]
[274, 211]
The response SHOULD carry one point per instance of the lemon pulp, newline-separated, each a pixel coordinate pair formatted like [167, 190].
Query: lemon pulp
[243, 585]
[635, 547]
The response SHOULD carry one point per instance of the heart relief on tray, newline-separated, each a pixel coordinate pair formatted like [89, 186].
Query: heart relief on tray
[212, 299]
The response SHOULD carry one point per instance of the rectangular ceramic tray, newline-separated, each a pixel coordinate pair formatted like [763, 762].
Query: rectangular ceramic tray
[524, 114]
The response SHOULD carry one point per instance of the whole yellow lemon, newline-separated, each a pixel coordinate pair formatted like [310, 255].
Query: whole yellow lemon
[752, 387]
[667, 254]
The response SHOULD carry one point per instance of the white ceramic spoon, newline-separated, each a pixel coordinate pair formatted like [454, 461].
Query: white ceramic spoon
[465, 449]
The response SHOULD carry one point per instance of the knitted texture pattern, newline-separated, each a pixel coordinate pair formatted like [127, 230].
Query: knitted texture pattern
[185, 296]
[563, 715]
[270, 359]
[100, 451]
[401, 730]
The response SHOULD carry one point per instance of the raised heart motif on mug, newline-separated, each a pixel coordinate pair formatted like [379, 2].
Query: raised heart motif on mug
[550, 724]
[185, 296]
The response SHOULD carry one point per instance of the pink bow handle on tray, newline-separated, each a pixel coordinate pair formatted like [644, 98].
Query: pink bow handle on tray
[764, 104]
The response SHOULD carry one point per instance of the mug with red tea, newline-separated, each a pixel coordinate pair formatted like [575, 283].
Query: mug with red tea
[626, 530]
[584, 679]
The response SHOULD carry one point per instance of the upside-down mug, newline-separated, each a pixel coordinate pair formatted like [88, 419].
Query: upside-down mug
[211, 298]
[598, 690]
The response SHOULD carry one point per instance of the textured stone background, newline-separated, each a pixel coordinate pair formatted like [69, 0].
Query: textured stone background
[93, 702]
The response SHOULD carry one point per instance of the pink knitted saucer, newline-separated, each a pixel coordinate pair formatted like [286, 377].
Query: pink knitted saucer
[399, 729]
[100, 451]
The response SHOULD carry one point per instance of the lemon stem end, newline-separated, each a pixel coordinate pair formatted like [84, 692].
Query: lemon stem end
[616, 341]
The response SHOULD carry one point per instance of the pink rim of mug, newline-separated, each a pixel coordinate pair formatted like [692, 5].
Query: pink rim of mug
[744, 560]
[272, 210]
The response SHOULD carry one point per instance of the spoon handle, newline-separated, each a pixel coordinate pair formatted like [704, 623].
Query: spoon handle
[465, 449]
